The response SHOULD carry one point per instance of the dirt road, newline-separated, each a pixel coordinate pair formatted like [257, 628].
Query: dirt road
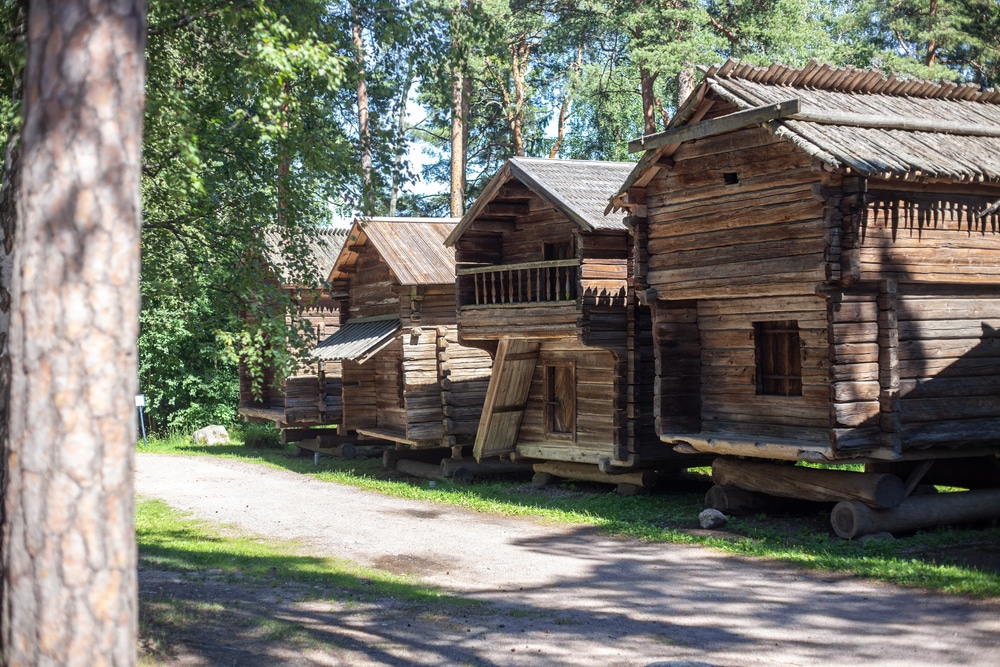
[573, 597]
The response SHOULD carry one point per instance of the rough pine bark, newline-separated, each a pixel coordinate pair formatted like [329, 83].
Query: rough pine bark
[458, 146]
[69, 553]
[364, 132]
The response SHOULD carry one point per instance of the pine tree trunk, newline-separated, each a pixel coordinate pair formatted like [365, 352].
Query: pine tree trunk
[69, 553]
[519, 52]
[458, 135]
[646, 81]
[364, 133]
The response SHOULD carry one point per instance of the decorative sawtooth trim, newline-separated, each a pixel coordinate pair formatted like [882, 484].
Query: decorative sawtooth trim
[823, 78]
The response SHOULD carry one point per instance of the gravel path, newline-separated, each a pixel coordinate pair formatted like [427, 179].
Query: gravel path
[613, 601]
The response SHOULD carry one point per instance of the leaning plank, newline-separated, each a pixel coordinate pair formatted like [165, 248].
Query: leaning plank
[876, 490]
[852, 519]
[590, 473]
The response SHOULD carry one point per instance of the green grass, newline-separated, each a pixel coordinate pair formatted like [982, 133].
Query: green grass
[928, 559]
[261, 578]
[168, 540]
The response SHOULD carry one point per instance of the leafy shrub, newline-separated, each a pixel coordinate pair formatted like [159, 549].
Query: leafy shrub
[261, 436]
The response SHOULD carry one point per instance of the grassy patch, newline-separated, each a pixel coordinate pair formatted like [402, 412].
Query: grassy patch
[169, 541]
[962, 561]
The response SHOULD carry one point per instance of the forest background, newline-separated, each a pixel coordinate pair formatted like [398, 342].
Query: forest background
[284, 115]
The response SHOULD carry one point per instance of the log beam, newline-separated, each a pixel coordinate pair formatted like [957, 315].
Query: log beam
[590, 473]
[820, 485]
[852, 519]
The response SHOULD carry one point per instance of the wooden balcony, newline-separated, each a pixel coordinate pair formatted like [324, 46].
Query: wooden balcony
[520, 284]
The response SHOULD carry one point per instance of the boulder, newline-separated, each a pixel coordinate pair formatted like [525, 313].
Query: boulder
[712, 518]
[211, 435]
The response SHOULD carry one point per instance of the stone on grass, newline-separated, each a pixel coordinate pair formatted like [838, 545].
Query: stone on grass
[211, 435]
[712, 518]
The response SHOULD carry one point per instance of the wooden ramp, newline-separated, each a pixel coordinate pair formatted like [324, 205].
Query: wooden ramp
[506, 398]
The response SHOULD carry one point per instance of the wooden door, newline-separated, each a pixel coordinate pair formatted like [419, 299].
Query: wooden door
[506, 397]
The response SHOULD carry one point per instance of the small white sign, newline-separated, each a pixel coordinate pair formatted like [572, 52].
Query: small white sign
[140, 400]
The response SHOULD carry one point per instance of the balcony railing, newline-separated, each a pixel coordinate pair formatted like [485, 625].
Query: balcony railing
[529, 282]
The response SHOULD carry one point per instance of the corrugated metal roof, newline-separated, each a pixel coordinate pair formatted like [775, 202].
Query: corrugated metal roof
[357, 340]
[579, 189]
[319, 258]
[929, 148]
[413, 248]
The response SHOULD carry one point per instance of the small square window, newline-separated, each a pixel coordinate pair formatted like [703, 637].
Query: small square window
[730, 177]
[779, 358]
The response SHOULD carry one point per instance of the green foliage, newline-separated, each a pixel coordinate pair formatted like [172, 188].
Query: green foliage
[261, 436]
[188, 376]
[238, 139]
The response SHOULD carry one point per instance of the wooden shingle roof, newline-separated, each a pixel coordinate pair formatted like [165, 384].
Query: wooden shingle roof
[851, 119]
[413, 248]
[579, 189]
[319, 258]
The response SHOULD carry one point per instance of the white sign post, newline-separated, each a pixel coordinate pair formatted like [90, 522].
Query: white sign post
[140, 402]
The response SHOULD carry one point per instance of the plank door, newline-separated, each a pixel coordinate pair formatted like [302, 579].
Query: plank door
[506, 398]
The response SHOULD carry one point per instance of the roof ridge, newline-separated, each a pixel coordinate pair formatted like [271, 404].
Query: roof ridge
[525, 158]
[849, 79]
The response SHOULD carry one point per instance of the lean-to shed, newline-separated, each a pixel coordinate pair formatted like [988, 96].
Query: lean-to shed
[824, 265]
[543, 284]
[406, 377]
[311, 395]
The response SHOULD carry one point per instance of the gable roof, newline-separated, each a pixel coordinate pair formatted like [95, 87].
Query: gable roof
[579, 189]
[850, 119]
[319, 258]
[413, 248]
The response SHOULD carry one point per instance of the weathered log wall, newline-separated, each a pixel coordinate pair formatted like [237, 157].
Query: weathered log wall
[949, 365]
[371, 288]
[677, 386]
[600, 405]
[735, 215]
[464, 379]
[603, 269]
[729, 399]
[359, 395]
[931, 235]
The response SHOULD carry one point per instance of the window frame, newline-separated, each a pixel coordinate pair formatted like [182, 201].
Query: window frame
[778, 370]
[551, 403]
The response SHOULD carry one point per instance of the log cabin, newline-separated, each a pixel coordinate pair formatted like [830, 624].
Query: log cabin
[543, 285]
[310, 396]
[406, 378]
[820, 249]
